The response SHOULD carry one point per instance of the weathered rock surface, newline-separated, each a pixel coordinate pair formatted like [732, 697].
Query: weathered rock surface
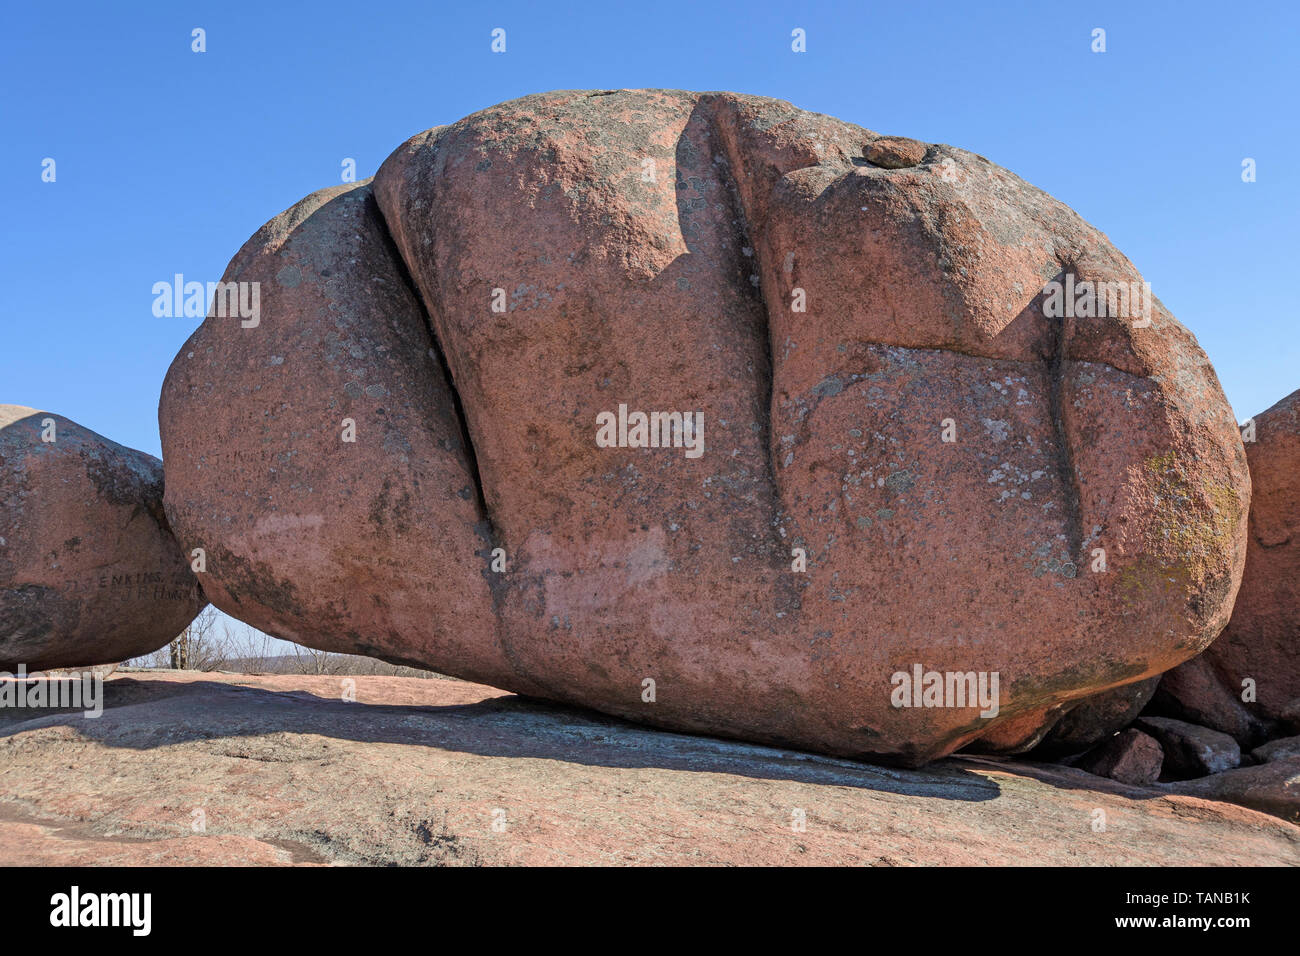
[1262, 640]
[89, 571]
[1129, 757]
[417, 771]
[1191, 751]
[828, 316]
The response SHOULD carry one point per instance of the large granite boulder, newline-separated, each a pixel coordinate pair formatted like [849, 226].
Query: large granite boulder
[909, 459]
[89, 571]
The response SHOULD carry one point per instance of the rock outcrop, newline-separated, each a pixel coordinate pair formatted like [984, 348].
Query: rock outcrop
[1279, 749]
[89, 571]
[893, 437]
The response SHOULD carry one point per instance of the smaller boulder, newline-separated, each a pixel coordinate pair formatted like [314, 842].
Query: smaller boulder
[1290, 716]
[1130, 757]
[1258, 654]
[1280, 749]
[895, 152]
[1191, 751]
[1196, 693]
[89, 571]
[1097, 717]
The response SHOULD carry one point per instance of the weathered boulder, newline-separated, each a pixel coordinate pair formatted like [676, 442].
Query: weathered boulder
[1261, 644]
[89, 571]
[908, 458]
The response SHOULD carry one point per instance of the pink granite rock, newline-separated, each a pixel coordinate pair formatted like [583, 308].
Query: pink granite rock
[1195, 691]
[1272, 787]
[1282, 748]
[1130, 757]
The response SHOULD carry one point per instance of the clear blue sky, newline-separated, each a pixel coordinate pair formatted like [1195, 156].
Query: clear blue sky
[167, 160]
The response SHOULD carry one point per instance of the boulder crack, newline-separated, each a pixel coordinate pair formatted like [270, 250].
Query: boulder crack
[1069, 474]
[435, 346]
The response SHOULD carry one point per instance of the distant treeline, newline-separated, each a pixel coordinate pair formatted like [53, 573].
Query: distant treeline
[212, 644]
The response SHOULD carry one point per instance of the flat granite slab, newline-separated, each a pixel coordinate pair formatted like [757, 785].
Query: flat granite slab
[213, 768]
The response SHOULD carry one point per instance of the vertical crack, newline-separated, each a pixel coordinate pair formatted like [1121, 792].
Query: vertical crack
[498, 590]
[1065, 454]
[467, 444]
[734, 163]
